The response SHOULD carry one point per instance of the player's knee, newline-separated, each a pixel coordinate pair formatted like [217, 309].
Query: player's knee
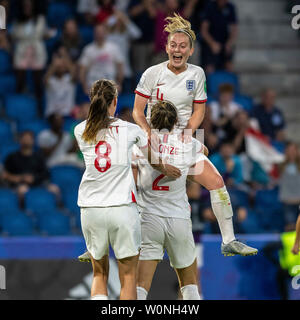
[216, 182]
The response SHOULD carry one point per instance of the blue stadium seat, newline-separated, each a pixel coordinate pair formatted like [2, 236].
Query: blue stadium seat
[217, 78]
[39, 201]
[238, 198]
[36, 126]
[87, 34]
[8, 200]
[17, 224]
[251, 223]
[5, 131]
[70, 201]
[125, 100]
[21, 108]
[5, 62]
[50, 44]
[245, 101]
[66, 177]
[54, 224]
[69, 123]
[269, 210]
[58, 13]
[6, 149]
[7, 84]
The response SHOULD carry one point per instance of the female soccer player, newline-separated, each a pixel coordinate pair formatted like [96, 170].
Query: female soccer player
[184, 85]
[164, 207]
[107, 191]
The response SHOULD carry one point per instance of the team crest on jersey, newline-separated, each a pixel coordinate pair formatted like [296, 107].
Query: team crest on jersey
[190, 85]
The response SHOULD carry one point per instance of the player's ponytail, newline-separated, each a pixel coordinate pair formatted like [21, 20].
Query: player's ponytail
[163, 115]
[178, 24]
[102, 94]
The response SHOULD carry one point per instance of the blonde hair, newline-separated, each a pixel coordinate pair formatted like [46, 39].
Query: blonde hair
[178, 24]
[102, 94]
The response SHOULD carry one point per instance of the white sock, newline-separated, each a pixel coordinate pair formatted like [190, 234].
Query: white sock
[99, 297]
[141, 293]
[190, 292]
[221, 206]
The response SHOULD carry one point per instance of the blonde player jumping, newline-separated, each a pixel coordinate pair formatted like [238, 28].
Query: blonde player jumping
[184, 85]
[107, 191]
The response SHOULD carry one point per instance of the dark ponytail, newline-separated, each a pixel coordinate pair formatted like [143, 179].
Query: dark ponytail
[102, 94]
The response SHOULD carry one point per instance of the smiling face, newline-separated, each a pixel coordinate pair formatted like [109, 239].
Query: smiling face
[179, 50]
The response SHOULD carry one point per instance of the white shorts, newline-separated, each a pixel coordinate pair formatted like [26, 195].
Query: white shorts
[118, 226]
[173, 234]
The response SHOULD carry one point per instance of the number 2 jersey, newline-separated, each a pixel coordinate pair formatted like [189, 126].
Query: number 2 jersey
[108, 179]
[158, 194]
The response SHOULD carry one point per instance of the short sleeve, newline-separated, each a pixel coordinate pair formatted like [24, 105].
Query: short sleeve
[146, 84]
[200, 95]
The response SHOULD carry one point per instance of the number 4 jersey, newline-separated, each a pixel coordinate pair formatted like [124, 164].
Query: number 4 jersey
[108, 179]
[158, 194]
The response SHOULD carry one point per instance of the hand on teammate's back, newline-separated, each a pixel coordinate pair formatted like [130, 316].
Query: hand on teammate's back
[171, 171]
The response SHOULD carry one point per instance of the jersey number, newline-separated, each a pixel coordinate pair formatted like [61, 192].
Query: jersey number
[103, 156]
[159, 188]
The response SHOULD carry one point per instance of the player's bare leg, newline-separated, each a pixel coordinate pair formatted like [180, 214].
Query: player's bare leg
[128, 274]
[146, 270]
[99, 285]
[188, 282]
[208, 176]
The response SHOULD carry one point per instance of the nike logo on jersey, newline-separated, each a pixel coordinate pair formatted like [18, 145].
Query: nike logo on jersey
[160, 84]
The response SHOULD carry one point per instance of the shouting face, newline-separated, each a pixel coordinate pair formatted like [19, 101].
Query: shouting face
[179, 50]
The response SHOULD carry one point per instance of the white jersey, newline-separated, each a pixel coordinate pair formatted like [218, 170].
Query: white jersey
[108, 179]
[160, 195]
[183, 90]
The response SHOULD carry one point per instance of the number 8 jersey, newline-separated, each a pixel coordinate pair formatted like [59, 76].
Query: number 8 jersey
[108, 179]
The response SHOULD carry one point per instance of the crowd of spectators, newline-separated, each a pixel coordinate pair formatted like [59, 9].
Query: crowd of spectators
[55, 58]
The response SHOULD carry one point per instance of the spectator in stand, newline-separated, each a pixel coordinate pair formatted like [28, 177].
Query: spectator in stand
[4, 42]
[87, 10]
[26, 168]
[101, 60]
[270, 119]
[60, 85]
[71, 39]
[58, 145]
[229, 165]
[289, 185]
[218, 117]
[143, 14]
[121, 32]
[235, 131]
[223, 110]
[107, 9]
[28, 32]
[219, 33]
[168, 8]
